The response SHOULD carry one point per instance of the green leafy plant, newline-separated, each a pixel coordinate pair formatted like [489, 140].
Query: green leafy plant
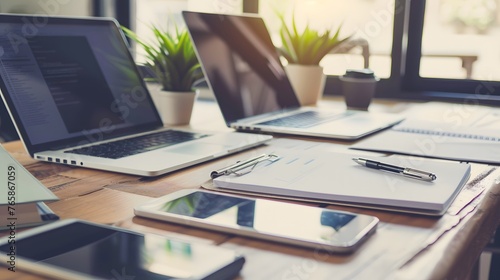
[171, 57]
[308, 47]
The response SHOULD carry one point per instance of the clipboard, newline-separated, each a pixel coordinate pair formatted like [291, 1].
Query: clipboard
[263, 183]
[243, 167]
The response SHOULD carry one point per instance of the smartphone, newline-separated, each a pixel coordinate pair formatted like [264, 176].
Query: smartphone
[313, 227]
[75, 249]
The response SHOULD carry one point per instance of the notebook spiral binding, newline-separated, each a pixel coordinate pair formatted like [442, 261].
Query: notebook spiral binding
[449, 134]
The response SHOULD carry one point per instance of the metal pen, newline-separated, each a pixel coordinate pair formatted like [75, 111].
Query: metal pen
[405, 171]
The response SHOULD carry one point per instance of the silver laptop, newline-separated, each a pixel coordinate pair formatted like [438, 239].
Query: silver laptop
[76, 97]
[244, 72]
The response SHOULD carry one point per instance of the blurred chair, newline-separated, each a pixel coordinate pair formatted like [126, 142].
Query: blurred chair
[349, 45]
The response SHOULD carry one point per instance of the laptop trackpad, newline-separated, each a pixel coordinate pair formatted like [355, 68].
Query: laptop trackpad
[198, 149]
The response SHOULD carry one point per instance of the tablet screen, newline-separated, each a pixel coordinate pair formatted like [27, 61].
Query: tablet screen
[110, 253]
[260, 215]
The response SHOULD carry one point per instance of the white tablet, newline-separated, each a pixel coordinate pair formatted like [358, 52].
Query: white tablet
[313, 227]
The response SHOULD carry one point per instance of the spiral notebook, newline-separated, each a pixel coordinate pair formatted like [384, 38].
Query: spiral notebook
[437, 140]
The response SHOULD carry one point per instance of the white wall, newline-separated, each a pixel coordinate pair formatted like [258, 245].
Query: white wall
[52, 7]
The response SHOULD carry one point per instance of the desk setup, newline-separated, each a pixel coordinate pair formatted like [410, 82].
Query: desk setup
[400, 196]
[442, 247]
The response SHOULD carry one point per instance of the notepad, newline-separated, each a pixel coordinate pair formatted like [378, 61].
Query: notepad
[470, 143]
[337, 178]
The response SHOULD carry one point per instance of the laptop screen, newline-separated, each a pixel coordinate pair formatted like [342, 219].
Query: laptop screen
[71, 81]
[241, 64]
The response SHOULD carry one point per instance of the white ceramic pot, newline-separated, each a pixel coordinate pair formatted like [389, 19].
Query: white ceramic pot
[308, 82]
[175, 108]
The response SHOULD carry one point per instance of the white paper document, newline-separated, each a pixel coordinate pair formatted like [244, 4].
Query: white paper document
[335, 177]
[22, 196]
[18, 185]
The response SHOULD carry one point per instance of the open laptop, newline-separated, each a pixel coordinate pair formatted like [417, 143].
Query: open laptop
[71, 84]
[243, 69]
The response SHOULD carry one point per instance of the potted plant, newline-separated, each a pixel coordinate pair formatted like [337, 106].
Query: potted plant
[304, 50]
[172, 59]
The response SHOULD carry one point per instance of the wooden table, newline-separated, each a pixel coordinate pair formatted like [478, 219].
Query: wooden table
[109, 198]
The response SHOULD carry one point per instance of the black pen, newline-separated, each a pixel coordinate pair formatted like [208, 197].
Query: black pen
[405, 171]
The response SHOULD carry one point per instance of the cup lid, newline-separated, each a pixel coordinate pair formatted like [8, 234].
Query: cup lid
[359, 73]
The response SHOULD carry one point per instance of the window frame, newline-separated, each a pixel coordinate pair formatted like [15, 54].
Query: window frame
[122, 10]
[414, 86]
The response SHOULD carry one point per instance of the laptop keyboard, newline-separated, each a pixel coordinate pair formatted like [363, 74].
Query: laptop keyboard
[140, 144]
[305, 119]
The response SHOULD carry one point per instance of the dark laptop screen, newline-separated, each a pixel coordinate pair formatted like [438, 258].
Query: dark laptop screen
[70, 81]
[241, 64]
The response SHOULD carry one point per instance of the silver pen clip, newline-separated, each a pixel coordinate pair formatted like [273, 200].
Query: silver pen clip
[419, 174]
[248, 164]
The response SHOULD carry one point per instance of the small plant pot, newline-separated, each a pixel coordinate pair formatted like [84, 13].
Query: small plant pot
[175, 108]
[308, 82]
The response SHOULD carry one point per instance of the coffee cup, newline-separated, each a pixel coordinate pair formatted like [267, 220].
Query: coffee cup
[358, 88]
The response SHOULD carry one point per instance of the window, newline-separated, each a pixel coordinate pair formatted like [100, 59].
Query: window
[453, 50]
[369, 23]
[164, 12]
[421, 49]
[376, 24]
